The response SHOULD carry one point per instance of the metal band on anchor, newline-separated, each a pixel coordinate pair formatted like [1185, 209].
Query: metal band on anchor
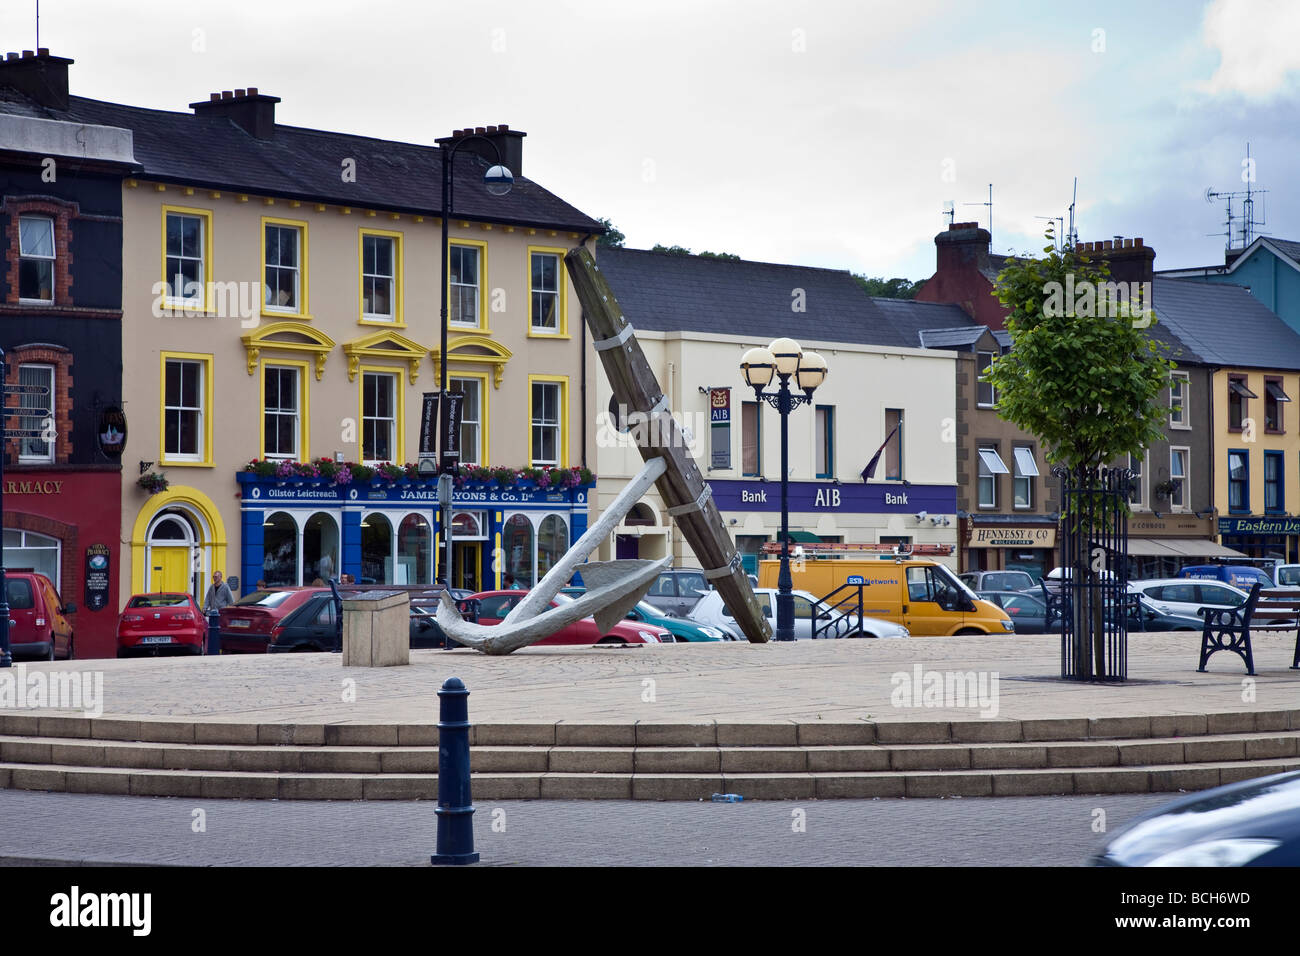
[616, 341]
[734, 564]
[696, 505]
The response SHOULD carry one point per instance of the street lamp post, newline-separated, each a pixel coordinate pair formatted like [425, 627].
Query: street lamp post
[787, 359]
[498, 180]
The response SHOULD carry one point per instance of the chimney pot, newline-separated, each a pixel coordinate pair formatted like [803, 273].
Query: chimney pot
[12, 56]
[504, 128]
[491, 129]
[252, 91]
[27, 54]
[42, 51]
[480, 130]
[214, 97]
[227, 95]
[1137, 243]
[1110, 244]
[239, 94]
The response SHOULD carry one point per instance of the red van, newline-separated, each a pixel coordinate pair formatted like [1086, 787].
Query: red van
[38, 625]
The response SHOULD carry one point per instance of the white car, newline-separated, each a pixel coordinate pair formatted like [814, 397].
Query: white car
[713, 612]
[1188, 595]
[1287, 576]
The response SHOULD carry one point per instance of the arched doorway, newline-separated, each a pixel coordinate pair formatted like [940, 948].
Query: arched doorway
[172, 553]
[376, 550]
[280, 550]
[320, 547]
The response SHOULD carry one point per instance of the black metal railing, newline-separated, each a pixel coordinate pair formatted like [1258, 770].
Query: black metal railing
[842, 617]
[1092, 597]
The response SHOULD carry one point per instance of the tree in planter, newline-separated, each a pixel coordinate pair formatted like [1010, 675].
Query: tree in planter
[1084, 377]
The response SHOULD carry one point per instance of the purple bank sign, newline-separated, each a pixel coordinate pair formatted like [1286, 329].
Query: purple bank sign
[814, 496]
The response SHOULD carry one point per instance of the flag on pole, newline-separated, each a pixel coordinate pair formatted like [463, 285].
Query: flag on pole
[870, 470]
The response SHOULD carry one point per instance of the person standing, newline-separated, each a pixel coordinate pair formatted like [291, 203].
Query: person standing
[218, 596]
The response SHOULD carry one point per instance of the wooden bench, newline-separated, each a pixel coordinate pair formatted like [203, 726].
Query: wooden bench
[1229, 628]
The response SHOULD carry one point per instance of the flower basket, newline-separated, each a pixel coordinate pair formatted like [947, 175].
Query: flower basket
[153, 482]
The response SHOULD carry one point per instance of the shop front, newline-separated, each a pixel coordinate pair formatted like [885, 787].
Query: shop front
[829, 513]
[1009, 543]
[296, 531]
[65, 524]
[1263, 536]
[1159, 546]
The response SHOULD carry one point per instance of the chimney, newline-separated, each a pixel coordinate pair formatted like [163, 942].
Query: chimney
[1130, 259]
[251, 111]
[40, 76]
[964, 246]
[510, 143]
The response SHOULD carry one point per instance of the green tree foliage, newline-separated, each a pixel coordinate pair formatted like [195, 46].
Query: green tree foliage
[1084, 377]
[1088, 386]
[683, 251]
[890, 288]
[613, 236]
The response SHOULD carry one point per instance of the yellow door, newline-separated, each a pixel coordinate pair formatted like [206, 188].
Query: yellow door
[169, 569]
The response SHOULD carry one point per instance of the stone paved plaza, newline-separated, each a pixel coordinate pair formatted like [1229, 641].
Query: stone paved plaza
[833, 681]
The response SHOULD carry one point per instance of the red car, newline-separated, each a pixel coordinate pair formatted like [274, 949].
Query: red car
[495, 605]
[247, 626]
[38, 623]
[165, 623]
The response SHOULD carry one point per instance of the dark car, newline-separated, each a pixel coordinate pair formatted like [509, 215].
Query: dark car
[313, 625]
[1029, 613]
[1249, 823]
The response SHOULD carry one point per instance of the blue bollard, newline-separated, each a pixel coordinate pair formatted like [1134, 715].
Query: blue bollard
[455, 806]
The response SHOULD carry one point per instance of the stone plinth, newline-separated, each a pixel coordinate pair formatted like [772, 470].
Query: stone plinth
[376, 629]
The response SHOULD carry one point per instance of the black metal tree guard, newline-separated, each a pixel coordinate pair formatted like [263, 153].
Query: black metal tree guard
[1093, 601]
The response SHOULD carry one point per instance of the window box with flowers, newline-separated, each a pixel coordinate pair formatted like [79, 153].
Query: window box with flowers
[153, 482]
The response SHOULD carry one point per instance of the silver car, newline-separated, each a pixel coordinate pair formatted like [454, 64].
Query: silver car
[807, 611]
[1188, 595]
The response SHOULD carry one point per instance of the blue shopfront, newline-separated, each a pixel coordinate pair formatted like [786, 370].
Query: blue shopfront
[298, 529]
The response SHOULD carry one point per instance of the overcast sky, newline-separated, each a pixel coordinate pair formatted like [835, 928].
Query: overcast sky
[818, 133]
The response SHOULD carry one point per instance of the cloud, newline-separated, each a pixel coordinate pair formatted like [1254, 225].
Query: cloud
[1256, 44]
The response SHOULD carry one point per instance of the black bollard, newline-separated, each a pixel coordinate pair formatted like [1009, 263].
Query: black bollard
[455, 806]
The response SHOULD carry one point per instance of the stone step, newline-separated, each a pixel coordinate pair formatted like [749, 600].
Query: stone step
[295, 759]
[651, 734]
[488, 787]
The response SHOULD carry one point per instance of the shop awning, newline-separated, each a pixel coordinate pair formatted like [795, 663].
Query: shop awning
[1179, 548]
[807, 537]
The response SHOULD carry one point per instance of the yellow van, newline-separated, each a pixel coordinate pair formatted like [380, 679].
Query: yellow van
[923, 596]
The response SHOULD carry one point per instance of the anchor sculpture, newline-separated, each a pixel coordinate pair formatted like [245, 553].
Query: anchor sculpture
[614, 587]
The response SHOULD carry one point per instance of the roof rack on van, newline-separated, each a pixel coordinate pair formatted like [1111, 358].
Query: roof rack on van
[831, 549]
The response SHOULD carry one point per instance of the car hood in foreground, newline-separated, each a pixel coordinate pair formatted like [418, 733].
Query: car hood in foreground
[1237, 819]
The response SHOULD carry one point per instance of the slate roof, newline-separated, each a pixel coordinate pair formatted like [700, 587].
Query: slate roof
[1287, 247]
[1223, 324]
[662, 292]
[949, 338]
[297, 163]
[996, 263]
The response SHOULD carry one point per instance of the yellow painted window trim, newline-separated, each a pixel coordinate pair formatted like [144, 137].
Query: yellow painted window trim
[498, 355]
[255, 343]
[563, 331]
[304, 262]
[482, 325]
[563, 382]
[180, 305]
[399, 395]
[398, 320]
[207, 360]
[304, 408]
[484, 411]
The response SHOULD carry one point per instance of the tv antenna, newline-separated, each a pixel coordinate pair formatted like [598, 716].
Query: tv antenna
[38, 24]
[950, 211]
[1248, 227]
[1060, 232]
[989, 204]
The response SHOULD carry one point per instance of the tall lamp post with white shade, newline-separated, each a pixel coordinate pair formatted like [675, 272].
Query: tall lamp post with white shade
[785, 359]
